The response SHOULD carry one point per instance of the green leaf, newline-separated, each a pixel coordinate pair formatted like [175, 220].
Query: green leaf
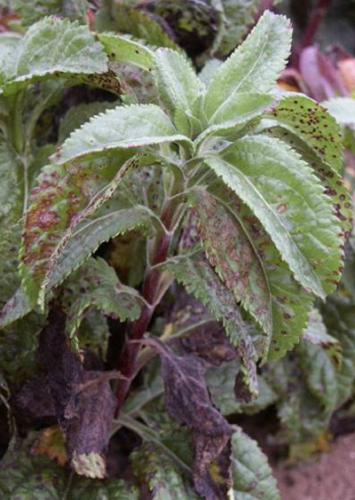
[179, 87]
[288, 199]
[95, 285]
[122, 49]
[255, 65]
[63, 198]
[53, 47]
[236, 16]
[165, 480]
[252, 474]
[342, 108]
[232, 255]
[123, 127]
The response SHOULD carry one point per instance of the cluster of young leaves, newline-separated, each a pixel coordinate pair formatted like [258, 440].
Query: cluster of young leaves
[229, 188]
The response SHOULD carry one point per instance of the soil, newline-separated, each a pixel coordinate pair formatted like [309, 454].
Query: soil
[330, 477]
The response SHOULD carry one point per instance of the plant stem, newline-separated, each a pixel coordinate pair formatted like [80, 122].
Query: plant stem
[315, 20]
[153, 289]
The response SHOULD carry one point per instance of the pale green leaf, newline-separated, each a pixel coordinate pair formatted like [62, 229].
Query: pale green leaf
[53, 47]
[125, 50]
[255, 65]
[123, 127]
[288, 199]
[179, 86]
[236, 114]
[252, 475]
[10, 187]
[342, 108]
[77, 115]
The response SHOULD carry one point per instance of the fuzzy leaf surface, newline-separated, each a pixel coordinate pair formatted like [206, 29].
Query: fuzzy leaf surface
[51, 47]
[255, 65]
[288, 199]
[178, 84]
[123, 127]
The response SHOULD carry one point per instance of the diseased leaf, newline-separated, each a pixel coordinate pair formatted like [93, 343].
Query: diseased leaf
[124, 127]
[63, 198]
[53, 47]
[255, 65]
[287, 198]
[95, 285]
[125, 50]
[231, 254]
[252, 475]
[25, 476]
[199, 279]
[83, 401]
[164, 479]
[310, 122]
[187, 400]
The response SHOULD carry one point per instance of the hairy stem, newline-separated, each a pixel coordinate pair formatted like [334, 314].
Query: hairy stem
[153, 289]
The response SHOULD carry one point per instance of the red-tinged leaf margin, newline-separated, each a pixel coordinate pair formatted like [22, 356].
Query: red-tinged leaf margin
[63, 198]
